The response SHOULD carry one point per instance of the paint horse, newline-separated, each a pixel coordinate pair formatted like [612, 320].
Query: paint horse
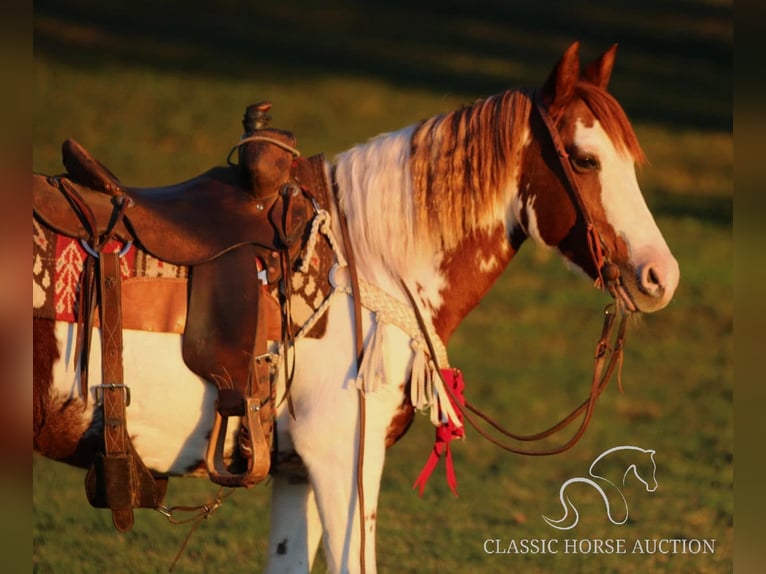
[435, 212]
[596, 480]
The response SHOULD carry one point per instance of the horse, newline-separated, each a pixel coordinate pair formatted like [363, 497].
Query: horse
[598, 481]
[434, 212]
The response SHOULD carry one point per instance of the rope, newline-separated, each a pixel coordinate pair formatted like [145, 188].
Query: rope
[319, 224]
[202, 512]
[257, 138]
[267, 139]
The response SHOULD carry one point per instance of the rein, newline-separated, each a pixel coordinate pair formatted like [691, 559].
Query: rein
[602, 374]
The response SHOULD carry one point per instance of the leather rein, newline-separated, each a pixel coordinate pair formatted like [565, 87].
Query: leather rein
[607, 357]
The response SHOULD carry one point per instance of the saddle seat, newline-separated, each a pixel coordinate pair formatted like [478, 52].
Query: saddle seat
[185, 223]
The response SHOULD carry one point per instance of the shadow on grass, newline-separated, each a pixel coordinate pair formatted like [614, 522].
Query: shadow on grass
[715, 210]
[675, 66]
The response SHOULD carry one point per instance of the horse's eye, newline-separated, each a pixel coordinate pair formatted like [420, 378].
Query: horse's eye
[584, 163]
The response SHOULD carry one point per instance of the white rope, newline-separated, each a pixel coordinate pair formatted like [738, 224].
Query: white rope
[267, 139]
[391, 310]
[321, 224]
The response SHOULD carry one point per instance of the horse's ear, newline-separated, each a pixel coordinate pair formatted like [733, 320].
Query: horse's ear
[600, 70]
[559, 87]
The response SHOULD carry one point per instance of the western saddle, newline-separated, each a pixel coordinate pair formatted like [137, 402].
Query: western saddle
[237, 228]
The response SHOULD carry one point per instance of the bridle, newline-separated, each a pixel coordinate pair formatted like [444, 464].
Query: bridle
[599, 252]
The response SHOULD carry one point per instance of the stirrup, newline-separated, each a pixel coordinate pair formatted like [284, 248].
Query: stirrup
[232, 404]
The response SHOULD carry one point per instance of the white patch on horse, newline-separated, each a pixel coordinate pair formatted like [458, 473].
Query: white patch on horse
[375, 182]
[491, 260]
[620, 193]
[171, 410]
[532, 229]
[623, 202]
[487, 263]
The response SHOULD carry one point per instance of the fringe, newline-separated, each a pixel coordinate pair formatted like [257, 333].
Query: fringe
[427, 391]
[373, 372]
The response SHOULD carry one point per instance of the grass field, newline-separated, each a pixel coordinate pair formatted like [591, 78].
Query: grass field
[158, 92]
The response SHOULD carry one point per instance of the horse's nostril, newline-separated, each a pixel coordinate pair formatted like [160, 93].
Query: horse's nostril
[651, 280]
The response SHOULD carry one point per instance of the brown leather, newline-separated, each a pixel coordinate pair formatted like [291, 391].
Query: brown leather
[221, 319]
[185, 224]
[359, 347]
[262, 164]
[603, 370]
[154, 304]
[54, 209]
[225, 341]
[83, 167]
[200, 219]
[118, 478]
[160, 305]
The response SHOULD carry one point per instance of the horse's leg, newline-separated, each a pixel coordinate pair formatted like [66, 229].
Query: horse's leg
[326, 430]
[295, 526]
[295, 529]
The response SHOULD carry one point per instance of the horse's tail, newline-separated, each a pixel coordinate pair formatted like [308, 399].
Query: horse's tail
[565, 522]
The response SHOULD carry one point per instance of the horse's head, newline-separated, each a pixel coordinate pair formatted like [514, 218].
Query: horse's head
[597, 146]
[645, 471]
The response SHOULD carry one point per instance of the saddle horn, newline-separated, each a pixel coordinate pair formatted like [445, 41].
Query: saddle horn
[265, 154]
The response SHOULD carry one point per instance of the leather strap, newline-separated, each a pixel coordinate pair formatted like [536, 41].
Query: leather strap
[114, 390]
[598, 250]
[359, 346]
[118, 479]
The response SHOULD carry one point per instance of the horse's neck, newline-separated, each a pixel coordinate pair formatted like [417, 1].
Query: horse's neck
[376, 192]
[469, 271]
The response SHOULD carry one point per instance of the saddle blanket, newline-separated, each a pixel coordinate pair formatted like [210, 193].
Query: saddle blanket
[57, 264]
[154, 292]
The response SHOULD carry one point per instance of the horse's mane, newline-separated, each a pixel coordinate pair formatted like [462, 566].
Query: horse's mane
[465, 164]
[461, 169]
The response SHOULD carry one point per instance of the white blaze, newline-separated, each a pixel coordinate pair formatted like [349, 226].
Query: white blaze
[621, 196]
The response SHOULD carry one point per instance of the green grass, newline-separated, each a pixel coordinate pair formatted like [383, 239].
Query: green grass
[160, 101]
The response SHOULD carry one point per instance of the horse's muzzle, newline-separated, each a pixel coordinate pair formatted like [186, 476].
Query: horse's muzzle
[652, 283]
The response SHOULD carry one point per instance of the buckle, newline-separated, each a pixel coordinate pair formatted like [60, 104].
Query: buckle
[100, 395]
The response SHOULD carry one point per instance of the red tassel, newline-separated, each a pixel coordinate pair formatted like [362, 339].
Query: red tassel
[445, 432]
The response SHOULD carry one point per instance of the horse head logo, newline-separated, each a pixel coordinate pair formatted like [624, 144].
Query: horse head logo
[644, 470]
